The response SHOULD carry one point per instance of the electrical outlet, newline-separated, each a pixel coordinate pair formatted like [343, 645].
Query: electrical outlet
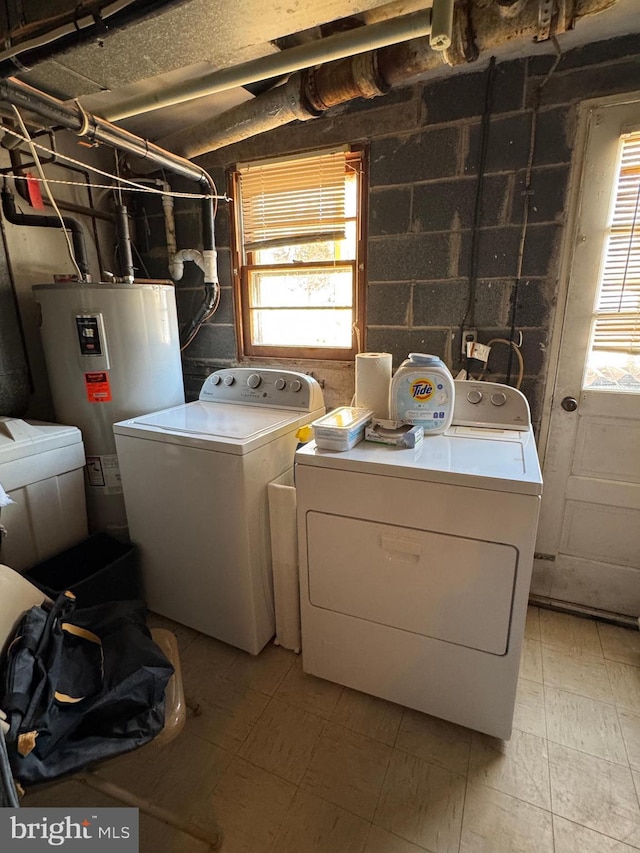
[469, 336]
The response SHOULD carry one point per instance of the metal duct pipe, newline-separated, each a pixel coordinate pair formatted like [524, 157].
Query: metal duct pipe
[476, 28]
[293, 59]
[91, 127]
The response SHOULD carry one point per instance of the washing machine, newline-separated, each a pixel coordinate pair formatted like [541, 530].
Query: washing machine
[194, 479]
[415, 564]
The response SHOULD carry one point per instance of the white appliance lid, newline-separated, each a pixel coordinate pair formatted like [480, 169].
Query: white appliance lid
[20, 438]
[503, 460]
[215, 426]
[219, 419]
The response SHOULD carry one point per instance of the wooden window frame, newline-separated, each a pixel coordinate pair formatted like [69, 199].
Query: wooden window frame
[253, 352]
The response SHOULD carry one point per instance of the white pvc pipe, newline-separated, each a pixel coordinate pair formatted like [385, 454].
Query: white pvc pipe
[176, 263]
[441, 25]
[303, 56]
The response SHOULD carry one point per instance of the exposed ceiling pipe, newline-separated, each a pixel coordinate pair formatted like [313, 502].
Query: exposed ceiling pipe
[96, 129]
[74, 118]
[293, 59]
[476, 28]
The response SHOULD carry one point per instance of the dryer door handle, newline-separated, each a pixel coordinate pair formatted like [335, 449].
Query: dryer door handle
[404, 549]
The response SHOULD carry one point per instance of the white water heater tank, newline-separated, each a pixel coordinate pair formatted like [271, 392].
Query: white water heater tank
[112, 352]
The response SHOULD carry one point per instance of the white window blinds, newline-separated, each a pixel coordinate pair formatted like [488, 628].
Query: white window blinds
[617, 323]
[293, 201]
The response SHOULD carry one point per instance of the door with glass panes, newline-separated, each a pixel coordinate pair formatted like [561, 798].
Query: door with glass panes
[589, 533]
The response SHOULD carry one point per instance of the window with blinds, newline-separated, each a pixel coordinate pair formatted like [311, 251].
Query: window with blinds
[298, 233]
[614, 359]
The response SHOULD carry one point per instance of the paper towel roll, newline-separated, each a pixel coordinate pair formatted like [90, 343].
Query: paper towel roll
[373, 378]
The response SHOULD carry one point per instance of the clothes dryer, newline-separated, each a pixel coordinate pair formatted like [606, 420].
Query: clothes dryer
[195, 481]
[415, 564]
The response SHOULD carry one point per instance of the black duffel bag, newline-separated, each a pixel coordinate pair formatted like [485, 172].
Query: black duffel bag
[79, 686]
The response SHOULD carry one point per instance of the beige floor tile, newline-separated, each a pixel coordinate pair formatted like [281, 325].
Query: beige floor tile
[435, 740]
[68, 793]
[595, 793]
[313, 825]
[308, 692]
[348, 770]
[571, 634]
[573, 838]
[576, 673]
[184, 635]
[224, 715]
[155, 836]
[262, 673]
[532, 625]
[625, 683]
[204, 659]
[531, 660]
[518, 767]
[178, 777]
[620, 644]
[381, 841]
[529, 714]
[283, 741]
[368, 715]
[250, 805]
[584, 724]
[494, 822]
[422, 803]
[630, 725]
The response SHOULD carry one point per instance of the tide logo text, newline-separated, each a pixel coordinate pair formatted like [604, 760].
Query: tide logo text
[421, 389]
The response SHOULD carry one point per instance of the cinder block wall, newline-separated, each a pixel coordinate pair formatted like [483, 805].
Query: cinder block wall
[424, 143]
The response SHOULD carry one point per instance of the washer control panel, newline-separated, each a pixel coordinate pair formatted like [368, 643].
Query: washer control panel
[261, 386]
[490, 404]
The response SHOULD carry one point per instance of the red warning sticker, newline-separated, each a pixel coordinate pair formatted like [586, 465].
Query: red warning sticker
[98, 388]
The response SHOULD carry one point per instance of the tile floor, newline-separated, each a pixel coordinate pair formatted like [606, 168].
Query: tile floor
[286, 763]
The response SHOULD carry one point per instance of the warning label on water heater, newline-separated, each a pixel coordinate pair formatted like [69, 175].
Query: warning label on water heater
[103, 472]
[97, 385]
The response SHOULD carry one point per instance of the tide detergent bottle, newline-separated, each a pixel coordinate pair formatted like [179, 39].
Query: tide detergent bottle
[423, 393]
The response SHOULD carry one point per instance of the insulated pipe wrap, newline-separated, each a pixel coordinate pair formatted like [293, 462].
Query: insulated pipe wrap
[338, 82]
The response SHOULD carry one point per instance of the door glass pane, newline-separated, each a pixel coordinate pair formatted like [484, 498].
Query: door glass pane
[614, 357]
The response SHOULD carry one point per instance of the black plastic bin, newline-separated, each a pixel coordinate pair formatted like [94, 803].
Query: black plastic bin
[99, 569]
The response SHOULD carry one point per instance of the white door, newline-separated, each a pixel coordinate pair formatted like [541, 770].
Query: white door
[589, 535]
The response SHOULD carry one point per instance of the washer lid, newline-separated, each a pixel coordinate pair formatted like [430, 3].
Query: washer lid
[502, 460]
[213, 426]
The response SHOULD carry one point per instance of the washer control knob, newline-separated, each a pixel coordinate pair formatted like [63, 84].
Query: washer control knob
[499, 398]
[296, 385]
[254, 380]
[229, 379]
[474, 396]
[215, 379]
[280, 384]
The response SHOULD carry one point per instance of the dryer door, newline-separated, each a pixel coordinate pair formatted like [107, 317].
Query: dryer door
[446, 587]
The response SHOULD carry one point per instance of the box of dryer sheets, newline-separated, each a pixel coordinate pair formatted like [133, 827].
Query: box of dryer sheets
[341, 429]
[394, 433]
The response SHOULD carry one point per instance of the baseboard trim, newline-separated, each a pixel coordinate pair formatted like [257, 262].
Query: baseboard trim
[581, 610]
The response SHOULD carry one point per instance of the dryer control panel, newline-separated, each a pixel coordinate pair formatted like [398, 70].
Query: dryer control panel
[261, 386]
[491, 405]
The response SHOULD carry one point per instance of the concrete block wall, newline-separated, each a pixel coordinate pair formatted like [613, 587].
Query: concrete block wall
[424, 142]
